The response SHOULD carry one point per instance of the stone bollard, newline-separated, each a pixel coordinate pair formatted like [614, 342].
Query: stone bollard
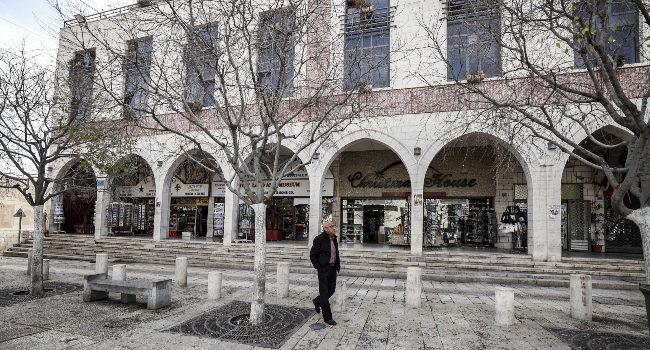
[180, 276]
[119, 272]
[214, 285]
[581, 307]
[338, 300]
[101, 264]
[504, 305]
[413, 287]
[29, 261]
[46, 269]
[283, 280]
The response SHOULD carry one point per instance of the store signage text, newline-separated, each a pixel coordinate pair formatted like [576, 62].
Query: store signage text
[146, 188]
[179, 189]
[377, 180]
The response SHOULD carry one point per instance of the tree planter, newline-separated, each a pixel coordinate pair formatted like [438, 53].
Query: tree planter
[645, 289]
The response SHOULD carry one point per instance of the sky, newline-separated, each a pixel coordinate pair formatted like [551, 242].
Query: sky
[38, 23]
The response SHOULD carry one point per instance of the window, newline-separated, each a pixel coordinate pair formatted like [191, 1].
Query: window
[137, 68]
[201, 65]
[367, 44]
[472, 26]
[275, 70]
[81, 84]
[622, 31]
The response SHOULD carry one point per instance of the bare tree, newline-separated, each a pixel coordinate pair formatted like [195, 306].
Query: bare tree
[239, 80]
[561, 64]
[37, 130]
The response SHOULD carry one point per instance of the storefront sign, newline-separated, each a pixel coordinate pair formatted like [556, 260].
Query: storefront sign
[286, 188]
[202, 202]
[435, 194]
[219, 189]
[180, 189]
[377, 180]
[396, 194]
[300, 201]
[146, 188]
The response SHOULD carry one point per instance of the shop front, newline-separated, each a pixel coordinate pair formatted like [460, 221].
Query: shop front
[287, 216]
[188, 212]
[458, 203]
[133, 211]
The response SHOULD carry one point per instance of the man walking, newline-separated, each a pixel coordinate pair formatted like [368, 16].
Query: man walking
[324, 256]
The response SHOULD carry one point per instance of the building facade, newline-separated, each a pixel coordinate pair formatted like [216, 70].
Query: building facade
[408, 175]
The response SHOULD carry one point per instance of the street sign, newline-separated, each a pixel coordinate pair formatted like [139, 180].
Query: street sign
[20, 213]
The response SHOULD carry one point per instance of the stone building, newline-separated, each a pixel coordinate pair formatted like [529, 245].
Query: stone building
[407, 176]
[10, 202]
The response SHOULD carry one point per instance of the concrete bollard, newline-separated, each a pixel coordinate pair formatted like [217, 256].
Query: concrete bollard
[119, 272]
[339, 299]
[283, 280]
[180, 277]
[581, 307]
[504, 305]
[214, 285]
[413, 287]
[46, 269]
[29, 261]
[101, 264]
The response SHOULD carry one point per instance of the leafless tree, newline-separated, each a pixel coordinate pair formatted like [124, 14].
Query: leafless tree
[559, 69]
[240, 80]
[37, 131]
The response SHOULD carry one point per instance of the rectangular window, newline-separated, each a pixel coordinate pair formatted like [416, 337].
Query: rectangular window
[275, 66]
[82, 71]
[137, 76]
[367, 44]
[621, 21]
[201, 65]
[472, 27]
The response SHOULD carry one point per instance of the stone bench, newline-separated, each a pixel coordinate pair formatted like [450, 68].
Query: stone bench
[159, 293]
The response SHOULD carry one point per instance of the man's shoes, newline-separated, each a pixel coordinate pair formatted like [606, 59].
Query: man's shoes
[316, 306]
[331, 322]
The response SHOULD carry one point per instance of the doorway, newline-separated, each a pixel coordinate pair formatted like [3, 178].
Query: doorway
[576, 216]
[373, 217]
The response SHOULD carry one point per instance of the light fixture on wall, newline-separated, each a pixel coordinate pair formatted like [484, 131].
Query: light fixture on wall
[552, 146]
[417, 151]
[160, 163]
[316, 155]
[80, 18]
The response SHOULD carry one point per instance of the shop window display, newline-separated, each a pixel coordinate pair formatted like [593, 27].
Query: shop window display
[376, 221]
[450, 221]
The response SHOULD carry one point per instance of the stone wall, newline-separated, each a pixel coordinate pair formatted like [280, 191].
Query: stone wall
[10, 202]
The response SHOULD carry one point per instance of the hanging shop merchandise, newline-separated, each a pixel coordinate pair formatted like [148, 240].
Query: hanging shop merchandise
[134, 212]
[513, 227]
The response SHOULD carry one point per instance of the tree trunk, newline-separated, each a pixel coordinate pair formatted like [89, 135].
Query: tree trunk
[259, 282]
[641, 217]
[37, 253]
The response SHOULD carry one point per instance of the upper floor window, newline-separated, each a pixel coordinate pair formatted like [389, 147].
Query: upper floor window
[201, 65]
[620, 18]
[472, 29]
[276, 43]
[367, 44]
[82, 71]
[137, 76]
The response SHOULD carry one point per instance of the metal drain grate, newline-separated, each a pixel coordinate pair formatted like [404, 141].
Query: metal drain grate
[595, 340]
[13, 296]
[280, 322]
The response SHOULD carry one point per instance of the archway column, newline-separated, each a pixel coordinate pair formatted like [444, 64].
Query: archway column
[417, 215]
[315, 208]
[544, 229]
[231, 214]
[101, 205]
[163, 203]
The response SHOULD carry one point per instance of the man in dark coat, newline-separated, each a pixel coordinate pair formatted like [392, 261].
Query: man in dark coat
[324, 256]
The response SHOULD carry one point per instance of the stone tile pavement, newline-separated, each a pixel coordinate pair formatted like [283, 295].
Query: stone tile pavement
[452, 316]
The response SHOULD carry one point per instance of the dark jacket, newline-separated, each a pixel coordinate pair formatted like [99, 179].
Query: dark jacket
[321, 251]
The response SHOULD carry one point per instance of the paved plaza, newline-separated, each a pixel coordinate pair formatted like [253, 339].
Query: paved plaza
[452, 316]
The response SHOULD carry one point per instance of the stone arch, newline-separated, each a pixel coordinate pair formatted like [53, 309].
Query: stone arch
[79, 199]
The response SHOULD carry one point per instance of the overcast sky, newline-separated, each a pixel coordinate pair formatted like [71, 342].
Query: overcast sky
[36, 22]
